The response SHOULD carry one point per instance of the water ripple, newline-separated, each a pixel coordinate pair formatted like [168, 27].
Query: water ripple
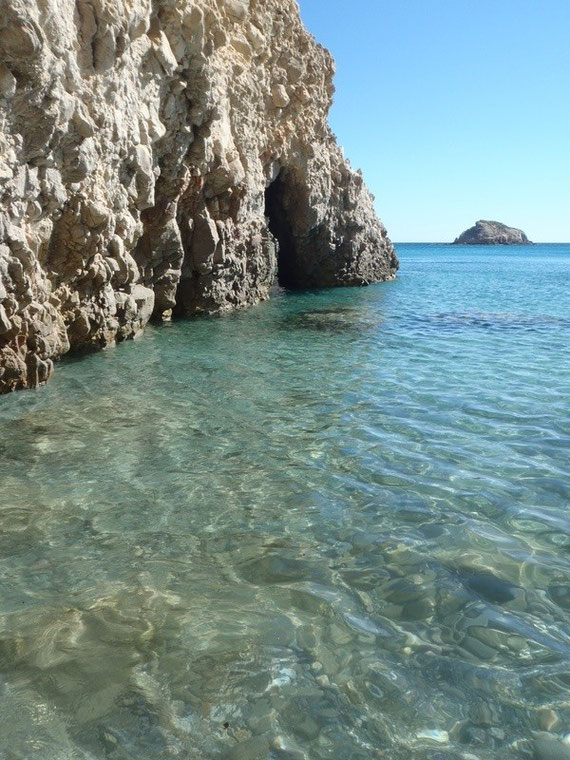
[335, 525]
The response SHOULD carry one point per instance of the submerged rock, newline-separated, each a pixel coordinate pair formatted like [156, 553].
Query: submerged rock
[434, 735]
[159, 157]
[492, 233]
[548, 747]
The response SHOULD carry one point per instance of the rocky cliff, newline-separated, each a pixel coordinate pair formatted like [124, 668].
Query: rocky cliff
[492, 233]
[160, 156]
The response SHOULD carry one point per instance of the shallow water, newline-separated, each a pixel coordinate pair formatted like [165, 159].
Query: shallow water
[332, 526]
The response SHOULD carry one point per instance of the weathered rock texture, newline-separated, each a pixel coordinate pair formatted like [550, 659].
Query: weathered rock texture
[492, 233]
[160, 155]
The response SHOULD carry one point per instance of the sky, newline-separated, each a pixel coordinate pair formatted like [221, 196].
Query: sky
[455, 110]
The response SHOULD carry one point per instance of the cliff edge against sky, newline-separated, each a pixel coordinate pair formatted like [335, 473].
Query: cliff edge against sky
[164, 156]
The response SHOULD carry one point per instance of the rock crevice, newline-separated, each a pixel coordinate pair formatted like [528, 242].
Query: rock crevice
[164, 156]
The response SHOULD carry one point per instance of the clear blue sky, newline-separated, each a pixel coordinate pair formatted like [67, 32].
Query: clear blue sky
[455, 110]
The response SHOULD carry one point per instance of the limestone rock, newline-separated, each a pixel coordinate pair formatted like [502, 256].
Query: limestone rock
[549, 747]
[164, 155]
[492, 233]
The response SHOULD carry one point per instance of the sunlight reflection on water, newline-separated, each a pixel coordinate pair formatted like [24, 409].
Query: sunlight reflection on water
[335, 525]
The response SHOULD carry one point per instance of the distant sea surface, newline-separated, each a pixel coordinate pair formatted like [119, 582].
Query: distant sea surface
[335, 525]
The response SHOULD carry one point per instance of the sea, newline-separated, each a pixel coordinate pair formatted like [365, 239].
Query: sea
[332, 526]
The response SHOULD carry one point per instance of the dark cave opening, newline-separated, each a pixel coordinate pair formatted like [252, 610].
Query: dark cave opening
[280, 227]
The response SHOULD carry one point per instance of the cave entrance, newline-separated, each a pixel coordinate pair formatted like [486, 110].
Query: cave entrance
[280, 227]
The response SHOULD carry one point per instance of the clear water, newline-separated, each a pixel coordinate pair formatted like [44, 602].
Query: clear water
[332, 526]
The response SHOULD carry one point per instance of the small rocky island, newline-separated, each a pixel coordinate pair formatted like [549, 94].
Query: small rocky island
[492, 233]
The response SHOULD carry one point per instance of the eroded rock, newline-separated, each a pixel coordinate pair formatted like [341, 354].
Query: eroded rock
[159, 156]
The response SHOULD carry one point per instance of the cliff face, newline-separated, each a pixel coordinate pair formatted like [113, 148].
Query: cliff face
[159, 156]
[492, 233]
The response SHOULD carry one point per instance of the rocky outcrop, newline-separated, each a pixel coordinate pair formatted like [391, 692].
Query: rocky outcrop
[492, 233]
[162, 156]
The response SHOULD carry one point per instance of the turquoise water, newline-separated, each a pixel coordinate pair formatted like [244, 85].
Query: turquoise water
[332, 526]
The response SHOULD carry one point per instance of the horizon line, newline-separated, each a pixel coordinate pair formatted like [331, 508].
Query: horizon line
[479, 245]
